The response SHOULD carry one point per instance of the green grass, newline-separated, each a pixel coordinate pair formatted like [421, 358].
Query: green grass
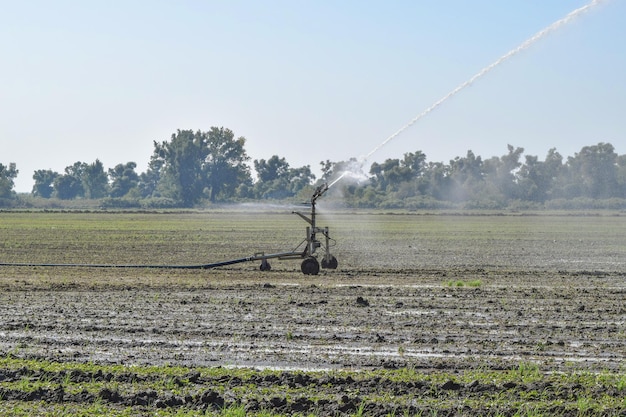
[460, 283]
[134, 238]
[525, 390]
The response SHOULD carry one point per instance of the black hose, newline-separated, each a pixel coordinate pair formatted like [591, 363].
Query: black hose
[201, 266]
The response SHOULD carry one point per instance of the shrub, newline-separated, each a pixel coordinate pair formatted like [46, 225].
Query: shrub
[120, 203]
[159, 202]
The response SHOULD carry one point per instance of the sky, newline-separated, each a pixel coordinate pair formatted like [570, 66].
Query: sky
[307, 80]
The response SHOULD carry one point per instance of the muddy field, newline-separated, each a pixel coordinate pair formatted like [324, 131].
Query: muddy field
[337, 320]
[430, 293]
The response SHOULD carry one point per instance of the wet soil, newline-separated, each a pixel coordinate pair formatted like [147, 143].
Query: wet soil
[448, 319]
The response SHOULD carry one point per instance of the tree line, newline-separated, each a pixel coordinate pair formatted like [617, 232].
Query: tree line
[593, 175]
[192, 168]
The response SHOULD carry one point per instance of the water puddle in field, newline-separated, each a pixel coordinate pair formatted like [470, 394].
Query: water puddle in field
[389, 286]
[411, 313]
[286, 355]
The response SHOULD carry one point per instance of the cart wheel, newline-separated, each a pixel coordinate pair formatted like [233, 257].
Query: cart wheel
[310, 266]
[329, 264]
[265, 266]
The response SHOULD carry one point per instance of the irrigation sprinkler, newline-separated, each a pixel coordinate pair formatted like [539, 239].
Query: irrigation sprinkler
[310, 264]
[306, 251]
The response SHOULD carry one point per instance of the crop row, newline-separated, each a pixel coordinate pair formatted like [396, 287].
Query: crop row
[71, 388]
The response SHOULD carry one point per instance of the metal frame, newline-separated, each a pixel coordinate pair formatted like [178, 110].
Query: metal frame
[310, 265]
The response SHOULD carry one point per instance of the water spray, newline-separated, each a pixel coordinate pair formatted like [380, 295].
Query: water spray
[343, 174]
[523, 46]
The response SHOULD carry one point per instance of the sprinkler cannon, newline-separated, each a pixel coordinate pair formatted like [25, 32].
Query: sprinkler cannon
[310, 265]
[307, 249]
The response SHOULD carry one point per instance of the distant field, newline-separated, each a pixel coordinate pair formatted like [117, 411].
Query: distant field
[363, 241]
[427, 314]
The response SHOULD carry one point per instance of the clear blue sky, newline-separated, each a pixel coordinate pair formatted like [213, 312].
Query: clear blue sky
[308, 80]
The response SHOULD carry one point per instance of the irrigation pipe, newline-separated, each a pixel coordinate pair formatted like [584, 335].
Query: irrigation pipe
[200, 266]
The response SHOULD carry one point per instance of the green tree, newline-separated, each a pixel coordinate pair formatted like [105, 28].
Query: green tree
[194, 164]
[537, 178]
[123, 179]
[7, 177]
[415, 162]
[276, 179]
[436, 180]
[500, 174]
[149, 181]
[44, 180]
[272, 169]
[327, 168]
[70, 185]
[225, 163]
[273, 178]
[595, 169]
[466, 177]
[183, 157]
[300, 178]
[390, 174]
[95, 181]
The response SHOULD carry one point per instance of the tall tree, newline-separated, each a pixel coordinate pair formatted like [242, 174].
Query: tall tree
[299, 178]
[327, 168]
[192, 163]
[390, 174]
[95, 180]
[436, 181]
[70, 184]
[466, 177]
[183, 158]
[273, 181]
[276, 179]
[149, 181]
[225, 163]
[500, 173]
[7, 177]
[44, 180]
[123, 179]
[272, 169]
[386, 173]
[537, 178]
[414, 162]
[596, 169]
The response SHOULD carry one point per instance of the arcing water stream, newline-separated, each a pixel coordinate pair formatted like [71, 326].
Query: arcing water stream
[523, 46]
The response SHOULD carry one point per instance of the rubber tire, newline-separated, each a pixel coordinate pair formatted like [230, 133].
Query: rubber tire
[332, 264]
[310, 266]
